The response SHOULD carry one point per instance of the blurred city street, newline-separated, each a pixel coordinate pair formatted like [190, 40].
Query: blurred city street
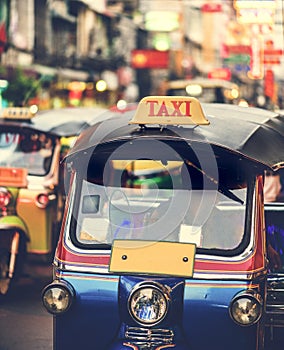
[24, 324]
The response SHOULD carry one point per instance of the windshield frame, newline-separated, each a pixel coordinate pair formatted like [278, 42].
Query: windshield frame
[246, 239]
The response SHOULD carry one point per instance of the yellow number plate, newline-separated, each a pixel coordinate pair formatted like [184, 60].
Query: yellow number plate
[152, 258]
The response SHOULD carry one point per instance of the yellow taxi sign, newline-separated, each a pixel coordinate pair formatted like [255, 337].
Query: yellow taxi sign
[169, 110]
[19, 113]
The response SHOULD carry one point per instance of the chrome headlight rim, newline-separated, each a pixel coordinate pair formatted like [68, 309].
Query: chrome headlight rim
[157, 287]
[251, 295]
[65, 288]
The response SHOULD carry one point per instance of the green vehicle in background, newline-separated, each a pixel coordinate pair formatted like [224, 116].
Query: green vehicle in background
[32, 189]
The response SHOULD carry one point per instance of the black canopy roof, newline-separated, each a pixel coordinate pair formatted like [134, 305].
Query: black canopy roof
[63, 122]
[252, 133]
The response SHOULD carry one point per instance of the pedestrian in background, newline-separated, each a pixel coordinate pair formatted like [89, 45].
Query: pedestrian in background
[272, 193]
[272, 187]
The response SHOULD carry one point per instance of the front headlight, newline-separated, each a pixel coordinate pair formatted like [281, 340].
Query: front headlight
[57, 297]
[246, 308]
[148, 304]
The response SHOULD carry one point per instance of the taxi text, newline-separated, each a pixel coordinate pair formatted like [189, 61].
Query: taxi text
[158, 108]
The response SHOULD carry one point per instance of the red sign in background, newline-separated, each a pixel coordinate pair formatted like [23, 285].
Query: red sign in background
[269, 83]
[3, 36]
[220, 73]
[149, 59]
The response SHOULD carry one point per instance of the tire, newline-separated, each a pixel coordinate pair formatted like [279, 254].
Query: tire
[6, 282]
[4, 267]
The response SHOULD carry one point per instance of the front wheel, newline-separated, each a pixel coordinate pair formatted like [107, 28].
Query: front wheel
[4, 268]
[12, 258]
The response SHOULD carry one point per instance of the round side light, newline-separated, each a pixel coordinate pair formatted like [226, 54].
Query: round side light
[42, 200]
[148, 304]
[57, 297]
[5, 197]
[246, 308]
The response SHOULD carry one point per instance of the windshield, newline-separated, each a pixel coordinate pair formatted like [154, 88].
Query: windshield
[154, 204]
[27, 150]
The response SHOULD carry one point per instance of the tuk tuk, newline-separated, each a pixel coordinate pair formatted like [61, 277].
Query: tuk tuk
[163, 242]
[32, 190]
[207, 90]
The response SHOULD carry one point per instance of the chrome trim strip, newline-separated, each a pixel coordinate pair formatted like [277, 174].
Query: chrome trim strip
[200, 276]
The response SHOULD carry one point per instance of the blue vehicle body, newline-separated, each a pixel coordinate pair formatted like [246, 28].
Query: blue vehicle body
[206, 301]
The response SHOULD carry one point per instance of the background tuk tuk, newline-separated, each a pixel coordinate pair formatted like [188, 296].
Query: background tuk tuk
[183, 263]
[32, 190]
[205, 89]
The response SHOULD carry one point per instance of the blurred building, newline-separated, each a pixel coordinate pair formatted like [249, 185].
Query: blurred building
[78, 50]
[86, 51]
[237, 40]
